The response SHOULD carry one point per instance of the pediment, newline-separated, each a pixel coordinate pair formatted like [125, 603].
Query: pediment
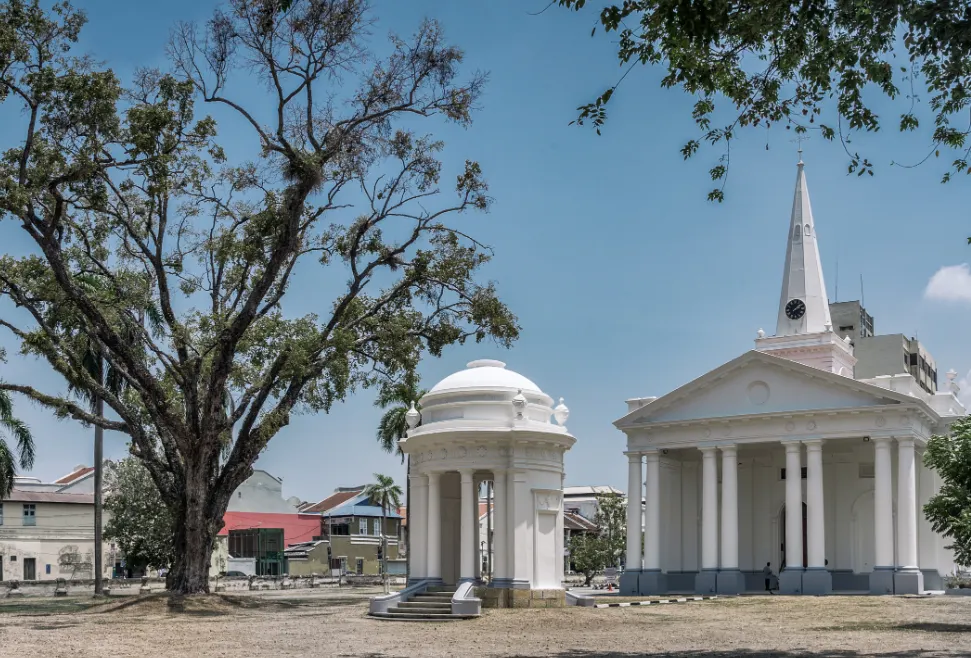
[756, 384]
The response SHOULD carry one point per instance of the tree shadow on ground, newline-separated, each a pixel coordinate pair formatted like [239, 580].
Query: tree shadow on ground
[748, 653]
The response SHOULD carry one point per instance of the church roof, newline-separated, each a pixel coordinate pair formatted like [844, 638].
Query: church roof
[646, 413]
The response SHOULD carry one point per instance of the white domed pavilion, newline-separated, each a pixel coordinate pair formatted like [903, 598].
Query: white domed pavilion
[487, 423]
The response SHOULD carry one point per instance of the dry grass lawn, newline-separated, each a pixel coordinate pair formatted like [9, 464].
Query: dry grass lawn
[336, 625]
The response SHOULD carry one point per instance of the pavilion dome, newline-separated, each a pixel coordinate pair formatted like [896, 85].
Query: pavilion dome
[485, 374]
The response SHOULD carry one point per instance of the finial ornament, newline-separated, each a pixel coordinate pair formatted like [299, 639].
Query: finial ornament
[952, 383]
[519, 404]
[800, 138]
[828, 326]
[561, 413]
[761, 333]
[412, 416]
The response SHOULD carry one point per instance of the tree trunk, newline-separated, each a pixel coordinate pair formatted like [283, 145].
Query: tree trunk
[99, 438]
[195, 534]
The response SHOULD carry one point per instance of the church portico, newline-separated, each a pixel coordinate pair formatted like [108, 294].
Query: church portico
[782, 460]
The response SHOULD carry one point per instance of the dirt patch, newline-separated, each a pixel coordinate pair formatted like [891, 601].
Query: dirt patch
[751, 627]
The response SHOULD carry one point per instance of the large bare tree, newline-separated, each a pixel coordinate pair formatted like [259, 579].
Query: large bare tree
[193, 255]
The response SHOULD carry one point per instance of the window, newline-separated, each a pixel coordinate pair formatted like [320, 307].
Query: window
[362, 526]
[377, 527]
[360, 566]
[30, 515]
[848, 327]
[804, 473]
[340, 529]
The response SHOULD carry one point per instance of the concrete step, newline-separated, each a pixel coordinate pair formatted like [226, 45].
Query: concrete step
[441, 589]
[418, 610]
[396, 616]
[437, 598]
[441, 605]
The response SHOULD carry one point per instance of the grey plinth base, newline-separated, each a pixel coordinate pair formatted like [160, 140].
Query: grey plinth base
[910, 581]
[881, 580]
[653, 582]
[790, 581]
[730, 581]
[706, 582]
[629, 582]
[817, 582]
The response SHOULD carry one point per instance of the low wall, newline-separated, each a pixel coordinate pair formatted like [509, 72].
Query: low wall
[133, 586]
[498, 597]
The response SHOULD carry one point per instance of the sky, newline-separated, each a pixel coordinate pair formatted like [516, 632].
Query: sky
[627, 282]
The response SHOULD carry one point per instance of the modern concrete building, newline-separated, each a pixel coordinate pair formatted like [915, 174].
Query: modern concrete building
[786, 456]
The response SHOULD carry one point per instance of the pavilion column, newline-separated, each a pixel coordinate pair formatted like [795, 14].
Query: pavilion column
[500, 541]
[706, 581]
[634, 516]
[817, 579]
[908, 579]
[790, 580]
[730, 579]
[434, 523]
[417, 535]
[476, 545]
[881, 578]
[467, 534]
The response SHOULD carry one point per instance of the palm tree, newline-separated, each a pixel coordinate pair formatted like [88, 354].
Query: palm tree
[394, 425]
[17, 429]
[385, 493]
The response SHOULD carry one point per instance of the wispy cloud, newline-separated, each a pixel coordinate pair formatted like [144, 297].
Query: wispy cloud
[951, 283]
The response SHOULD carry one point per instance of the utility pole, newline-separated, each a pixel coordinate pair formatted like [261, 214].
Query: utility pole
[99, 437]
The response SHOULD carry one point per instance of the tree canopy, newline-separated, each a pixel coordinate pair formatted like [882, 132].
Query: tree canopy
[129, 185]
[22, 455]
[949, 511]
[138, 520]
[812, 65]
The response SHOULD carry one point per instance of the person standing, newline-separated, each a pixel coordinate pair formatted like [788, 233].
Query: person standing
[767, 572]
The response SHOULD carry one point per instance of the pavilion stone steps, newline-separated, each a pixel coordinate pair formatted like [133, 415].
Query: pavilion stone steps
[434, 604]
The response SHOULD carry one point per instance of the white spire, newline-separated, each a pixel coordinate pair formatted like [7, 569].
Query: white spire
[803, 288]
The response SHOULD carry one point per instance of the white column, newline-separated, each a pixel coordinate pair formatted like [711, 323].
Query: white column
[633, 511]
[467, 536]
[560, 565]
[906, 504]
[500, 542]
[417, 535]
[709, 509]
[434, 522]
[882, 504]
[652, 515]
[794, 506]
[476, 545]
[815, 512]
[729, 547]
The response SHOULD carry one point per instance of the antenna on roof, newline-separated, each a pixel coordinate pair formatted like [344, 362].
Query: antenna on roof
[836, 293]
[862, 295]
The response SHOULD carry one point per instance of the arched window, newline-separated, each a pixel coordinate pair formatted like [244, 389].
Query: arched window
[808, 230]
[795, 233]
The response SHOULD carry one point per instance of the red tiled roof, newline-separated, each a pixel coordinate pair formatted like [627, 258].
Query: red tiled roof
[573, 521]
[296, 528]
[19, 496]
[332, 501]
[71, 477]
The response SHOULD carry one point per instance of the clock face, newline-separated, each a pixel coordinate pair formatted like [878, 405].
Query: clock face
[795, 309]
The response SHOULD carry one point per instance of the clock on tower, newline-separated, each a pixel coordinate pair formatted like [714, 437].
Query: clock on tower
[795, 309]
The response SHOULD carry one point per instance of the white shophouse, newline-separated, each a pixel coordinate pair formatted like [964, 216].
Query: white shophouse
[487, 423]
[725, 459]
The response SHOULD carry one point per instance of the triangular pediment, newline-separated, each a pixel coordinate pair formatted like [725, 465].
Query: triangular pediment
[757, 383]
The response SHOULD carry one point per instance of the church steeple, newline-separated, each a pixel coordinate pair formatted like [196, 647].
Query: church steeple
[803, 306]
[804, 331]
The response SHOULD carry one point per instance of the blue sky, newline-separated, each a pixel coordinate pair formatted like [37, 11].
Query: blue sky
[627, 282]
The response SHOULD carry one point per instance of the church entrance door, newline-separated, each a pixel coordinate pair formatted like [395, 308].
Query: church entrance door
[782, 526]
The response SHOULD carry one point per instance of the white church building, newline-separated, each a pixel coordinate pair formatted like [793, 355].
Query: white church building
[724, 460]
